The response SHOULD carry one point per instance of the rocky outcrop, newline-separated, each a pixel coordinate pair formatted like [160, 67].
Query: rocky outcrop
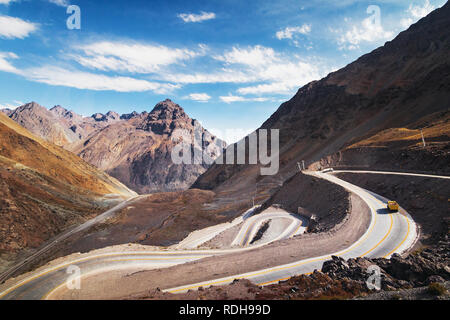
[110, 116]
[128, 116]
[418, 269]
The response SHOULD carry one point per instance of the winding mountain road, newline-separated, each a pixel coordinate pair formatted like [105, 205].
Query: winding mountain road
[388, 233]
[251, 226]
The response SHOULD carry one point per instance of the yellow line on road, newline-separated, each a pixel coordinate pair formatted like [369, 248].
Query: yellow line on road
[382, 240]
[246, 233]
[214, 282]
[278, 280]
[155, 259]
[406, 237]
[45, 297]
[301, 223]
[293, 266]
[59, 267]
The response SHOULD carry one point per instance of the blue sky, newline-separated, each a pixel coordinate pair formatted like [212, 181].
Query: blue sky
[229, 64]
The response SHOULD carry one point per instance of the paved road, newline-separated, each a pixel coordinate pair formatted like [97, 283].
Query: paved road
[40, 285]
[100, 218]
[395, 173]
[199, 237]
[44, 283]
[388, 233]
[251, 226]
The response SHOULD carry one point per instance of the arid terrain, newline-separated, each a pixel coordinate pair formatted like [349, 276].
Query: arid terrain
[386, 113]
[42, 196]
[361, 100]
[135, 148]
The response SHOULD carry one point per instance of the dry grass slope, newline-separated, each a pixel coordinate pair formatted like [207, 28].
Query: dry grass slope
[44, 189]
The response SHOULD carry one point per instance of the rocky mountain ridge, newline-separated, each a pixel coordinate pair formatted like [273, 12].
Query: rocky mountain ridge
[135, 148]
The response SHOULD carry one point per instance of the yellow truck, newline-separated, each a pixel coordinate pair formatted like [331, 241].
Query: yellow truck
[392, 206]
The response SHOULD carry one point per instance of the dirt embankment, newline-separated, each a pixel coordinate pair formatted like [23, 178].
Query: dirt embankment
[317, 286]
[160, 219]
[45, 190]
[426, 199]
[432, 159]
[399, 149]
[328, 202]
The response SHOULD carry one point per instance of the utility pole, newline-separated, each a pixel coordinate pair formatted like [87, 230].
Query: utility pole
[423, 139]
[301, 166]
[256, 191]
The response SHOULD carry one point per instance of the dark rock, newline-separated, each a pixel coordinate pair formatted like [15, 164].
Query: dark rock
[434, 278]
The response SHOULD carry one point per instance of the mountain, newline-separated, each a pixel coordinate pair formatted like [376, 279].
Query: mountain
[45, 189]
[57, 125]
[7, 111]
[396, 86]
[137, 150]
[43, 123]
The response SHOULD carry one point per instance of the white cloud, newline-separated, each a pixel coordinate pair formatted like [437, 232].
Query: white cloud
[200, 97]
[5, 65]
[369, 30]
[131, 57]
[12, 106]
[6, 2]
[11, 27]
[288, 32]
[406, 22]
[83, 80]
[231, 135]
[231, 98]
[271, 71]
[252, 56]
[263, 70]
[61, 3]
[203, 16]
[279, 87]
[420, 12]
[415, 13]
[57, 76]
[221, 76]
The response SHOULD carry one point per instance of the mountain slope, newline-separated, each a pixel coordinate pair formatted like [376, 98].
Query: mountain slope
[392, 87]
[45, 189]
